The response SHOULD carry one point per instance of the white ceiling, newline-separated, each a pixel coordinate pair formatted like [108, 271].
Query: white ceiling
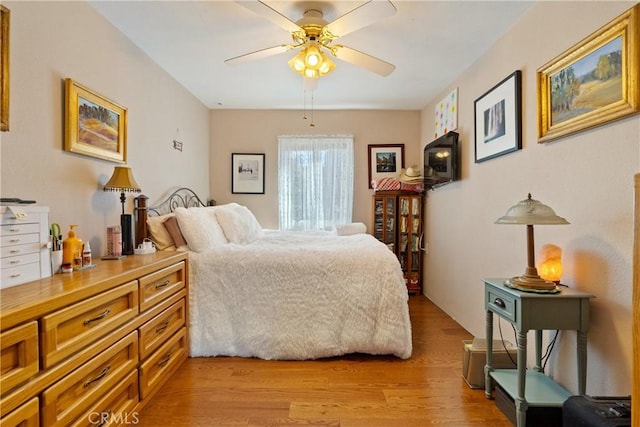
[430, 42]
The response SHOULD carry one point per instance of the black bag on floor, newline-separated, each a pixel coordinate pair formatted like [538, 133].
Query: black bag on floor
[592, 411]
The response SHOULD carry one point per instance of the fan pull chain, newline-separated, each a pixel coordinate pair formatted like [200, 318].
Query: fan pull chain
[304, 104]
[312, 122]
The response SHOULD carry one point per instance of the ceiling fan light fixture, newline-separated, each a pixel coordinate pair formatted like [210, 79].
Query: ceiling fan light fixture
[312, 57]
[297, 63]
[327, 65]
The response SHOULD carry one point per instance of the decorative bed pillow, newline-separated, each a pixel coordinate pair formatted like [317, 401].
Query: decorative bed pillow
[238, 223]
[351, 228]
[173, 228]
[158, 233]
[200, 227]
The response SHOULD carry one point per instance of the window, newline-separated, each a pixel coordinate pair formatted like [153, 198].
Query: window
[315, 181]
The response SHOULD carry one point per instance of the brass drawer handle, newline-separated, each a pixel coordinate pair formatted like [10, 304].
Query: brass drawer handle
[163, 284]
[162, 327]
[14, 230]
[13, 276]
[14, 251]
[98, 317]
[15, 262]
[164, 360]
[499, 303]
[14, 240]
[101, 375]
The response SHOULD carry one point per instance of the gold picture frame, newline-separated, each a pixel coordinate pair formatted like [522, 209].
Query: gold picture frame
[592, 83]
[5, 15]
[94, 125]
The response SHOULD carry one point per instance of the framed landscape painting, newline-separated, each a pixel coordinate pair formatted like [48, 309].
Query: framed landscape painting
[94, 125]
[594, 82]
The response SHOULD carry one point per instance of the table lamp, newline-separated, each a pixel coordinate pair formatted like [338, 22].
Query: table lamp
[122, 180]
[531, 212]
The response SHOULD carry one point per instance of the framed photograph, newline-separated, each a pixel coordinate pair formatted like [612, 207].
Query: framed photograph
[4, 68]
[594, 82]
[94, 126]
[247, 173]
[385, 160]
[498, 119]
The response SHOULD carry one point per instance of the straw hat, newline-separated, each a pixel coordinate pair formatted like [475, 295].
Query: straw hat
[411, 175]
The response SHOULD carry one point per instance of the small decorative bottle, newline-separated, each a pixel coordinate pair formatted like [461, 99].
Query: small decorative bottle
[86, 254]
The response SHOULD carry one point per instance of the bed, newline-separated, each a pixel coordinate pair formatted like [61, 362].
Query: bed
[280, 295]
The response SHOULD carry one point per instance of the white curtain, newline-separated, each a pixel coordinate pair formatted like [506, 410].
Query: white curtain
[315, 181]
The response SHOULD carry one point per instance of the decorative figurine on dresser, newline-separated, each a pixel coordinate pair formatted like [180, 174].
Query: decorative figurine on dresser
[24, 234]
[397, 222]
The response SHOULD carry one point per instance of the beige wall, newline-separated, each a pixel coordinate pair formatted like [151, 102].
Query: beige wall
[587, 178]
[257, 131]
[51, 41]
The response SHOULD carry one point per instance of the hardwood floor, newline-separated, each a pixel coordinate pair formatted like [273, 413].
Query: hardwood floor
[350, 391]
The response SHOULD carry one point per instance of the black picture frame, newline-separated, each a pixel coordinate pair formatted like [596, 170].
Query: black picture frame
[247, 173]
[385, 160]
[498, 119]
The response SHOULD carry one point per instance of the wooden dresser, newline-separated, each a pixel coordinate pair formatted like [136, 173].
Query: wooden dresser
[92, 347]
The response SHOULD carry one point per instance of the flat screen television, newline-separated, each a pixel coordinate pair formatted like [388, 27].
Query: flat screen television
[441, 161]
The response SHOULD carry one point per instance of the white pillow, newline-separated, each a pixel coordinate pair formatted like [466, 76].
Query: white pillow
[200, 228]
[238, 223]
[158, 232]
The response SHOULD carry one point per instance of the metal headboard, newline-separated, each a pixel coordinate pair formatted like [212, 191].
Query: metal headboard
[182, 197]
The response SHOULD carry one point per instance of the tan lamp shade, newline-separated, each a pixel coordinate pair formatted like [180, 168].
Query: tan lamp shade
[531, 212]
[122, 180]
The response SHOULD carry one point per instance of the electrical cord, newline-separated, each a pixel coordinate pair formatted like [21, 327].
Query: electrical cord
[545, 357]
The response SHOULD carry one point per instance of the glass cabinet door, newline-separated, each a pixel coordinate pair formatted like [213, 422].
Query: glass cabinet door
[384, 220]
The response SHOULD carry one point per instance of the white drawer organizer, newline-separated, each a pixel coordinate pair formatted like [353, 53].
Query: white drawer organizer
[24, 244]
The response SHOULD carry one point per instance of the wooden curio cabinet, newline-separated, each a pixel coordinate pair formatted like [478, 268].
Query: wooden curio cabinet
[397, 222]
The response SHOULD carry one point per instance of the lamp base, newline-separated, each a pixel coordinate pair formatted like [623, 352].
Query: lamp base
[532, 282]
[127, 234]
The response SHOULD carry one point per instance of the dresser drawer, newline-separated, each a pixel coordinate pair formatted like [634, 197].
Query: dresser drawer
[18, 240]
[19, 228]
[19, 274]
[70, 397]
[26, 415]
[155, 370]
[159, 285]
[70, 329]
[157, 330]
[9, 218]
[19, 355]
[116, 407]
[502, 304]
[18, 260]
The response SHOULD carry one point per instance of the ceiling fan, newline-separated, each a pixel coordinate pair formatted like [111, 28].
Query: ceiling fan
[314, 37]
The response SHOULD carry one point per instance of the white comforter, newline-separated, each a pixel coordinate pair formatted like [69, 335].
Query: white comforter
[298, 296]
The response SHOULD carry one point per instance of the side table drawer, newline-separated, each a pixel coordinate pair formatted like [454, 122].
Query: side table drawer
[19, 355]
[502, 304]
[157, 330]
[160, 364]
[70, 329]
[67, 399]
[159, 285]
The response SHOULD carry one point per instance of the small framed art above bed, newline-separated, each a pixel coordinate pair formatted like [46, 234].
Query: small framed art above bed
[282, 295]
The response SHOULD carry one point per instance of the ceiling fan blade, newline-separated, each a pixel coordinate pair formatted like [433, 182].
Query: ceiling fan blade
[271, 14]
[259, 54]
[361, 16]
[363, 60]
